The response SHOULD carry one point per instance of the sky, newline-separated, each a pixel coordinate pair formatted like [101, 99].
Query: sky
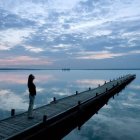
[69, 34]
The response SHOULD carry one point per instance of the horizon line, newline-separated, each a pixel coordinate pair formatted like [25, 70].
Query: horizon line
[69, 69]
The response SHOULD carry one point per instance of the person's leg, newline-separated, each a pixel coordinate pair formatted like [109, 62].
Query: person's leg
[31, 104]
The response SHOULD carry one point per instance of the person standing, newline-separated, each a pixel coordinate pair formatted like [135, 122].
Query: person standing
[32, 94]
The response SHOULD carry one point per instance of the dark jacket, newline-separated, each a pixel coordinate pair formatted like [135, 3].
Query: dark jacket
[32, 88]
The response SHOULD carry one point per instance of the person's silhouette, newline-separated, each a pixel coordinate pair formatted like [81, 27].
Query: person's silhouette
[32, 93]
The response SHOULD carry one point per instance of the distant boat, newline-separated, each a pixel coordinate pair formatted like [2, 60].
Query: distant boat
[65, 69]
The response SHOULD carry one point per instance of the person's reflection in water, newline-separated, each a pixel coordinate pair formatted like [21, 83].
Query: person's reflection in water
[32, 93]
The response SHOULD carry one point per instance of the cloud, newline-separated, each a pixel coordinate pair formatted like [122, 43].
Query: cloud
[9, 20]
[90, 82]
[132, 100]
[119, 126]
[64, 48]
[13, 78]
[60, 92]
[131, 105]
[40, 78]
[10, 100]
[59, 29]
[34, 49]
[103, 54]
[130, 34]
[117, 121]
[135, 52]
[108, 48]
[98, 55]
[11, 37]
[64, 5]
[25, 9]
[86, 25]
[24, 60]
[137, 87]
[40, 90]
[126, 9]
[3, 47]
[17, 78]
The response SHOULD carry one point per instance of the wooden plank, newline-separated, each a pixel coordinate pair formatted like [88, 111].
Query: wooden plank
[10, 126]
[22, 123]
[2, 136]
[7, 132]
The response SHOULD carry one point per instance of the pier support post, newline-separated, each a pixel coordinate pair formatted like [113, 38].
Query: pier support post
[44, 118]
[54, 99]
[79, 103]
[113, 96]
[79, 128]
[106, 101]
[96, 94]
[12, 112]
[76, 92]
[89, 88]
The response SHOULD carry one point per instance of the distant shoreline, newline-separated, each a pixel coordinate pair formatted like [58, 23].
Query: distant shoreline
[69, 69]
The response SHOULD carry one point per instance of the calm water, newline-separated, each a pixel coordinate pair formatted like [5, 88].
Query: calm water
[119, 120]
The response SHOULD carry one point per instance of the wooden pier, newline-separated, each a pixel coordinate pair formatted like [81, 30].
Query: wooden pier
[56, 119]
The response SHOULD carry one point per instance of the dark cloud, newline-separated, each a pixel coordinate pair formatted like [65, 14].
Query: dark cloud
[8, 20]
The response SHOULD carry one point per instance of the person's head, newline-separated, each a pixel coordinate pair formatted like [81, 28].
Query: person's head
[31, 77]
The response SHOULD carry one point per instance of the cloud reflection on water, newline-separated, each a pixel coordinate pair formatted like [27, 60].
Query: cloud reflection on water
[118, 120]
[90, 82]
[136, 87]
[18, 78]
[9, 100]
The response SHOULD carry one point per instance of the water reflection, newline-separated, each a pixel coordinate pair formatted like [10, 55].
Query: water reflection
[9, 100]
[135, 87]
[118, 120]
[89, 82]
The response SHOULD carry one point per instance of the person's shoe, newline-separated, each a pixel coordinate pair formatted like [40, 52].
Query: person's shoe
[30, 117]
